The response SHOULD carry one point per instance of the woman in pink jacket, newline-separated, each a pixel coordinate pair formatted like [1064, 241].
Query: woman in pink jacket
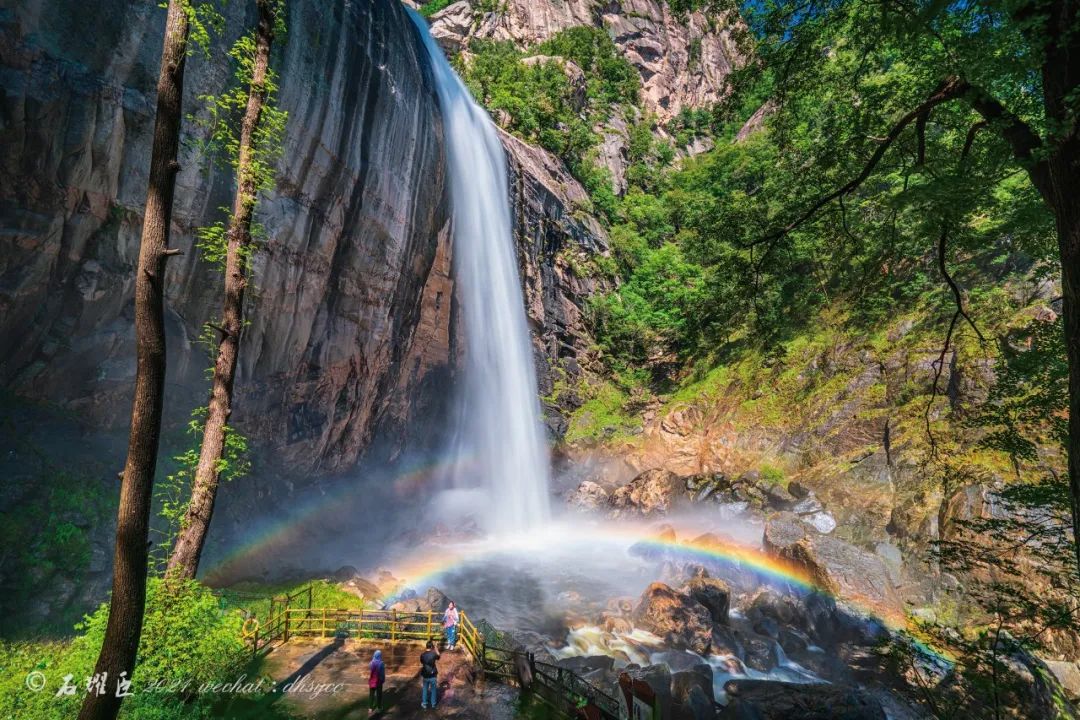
[450, 623]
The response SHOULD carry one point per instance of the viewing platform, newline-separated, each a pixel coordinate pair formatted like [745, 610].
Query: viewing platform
[318, 660]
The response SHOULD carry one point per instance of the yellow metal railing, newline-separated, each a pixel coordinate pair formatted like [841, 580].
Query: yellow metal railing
[557, 687]
[284, 622]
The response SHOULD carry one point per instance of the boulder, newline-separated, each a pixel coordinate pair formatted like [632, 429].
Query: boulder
[823, 522]
[837, 567]
[588, 496]
[1068, 676]
[808, 505]
[759, 651]
[725, 641]
[704, 485]
[362, 588]
[680, 619]
[768, 700]
[344, 573]
[713, 594]
[451, 26]
[653, 492]
[799, 490]
[701, 703]
[433, 600]
[684, 681]
[783, 608]
[777, 497]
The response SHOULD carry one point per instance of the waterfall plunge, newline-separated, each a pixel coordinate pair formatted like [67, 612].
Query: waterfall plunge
[501, 428]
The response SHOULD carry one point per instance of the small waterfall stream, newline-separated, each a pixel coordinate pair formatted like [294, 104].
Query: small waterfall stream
[501, 431]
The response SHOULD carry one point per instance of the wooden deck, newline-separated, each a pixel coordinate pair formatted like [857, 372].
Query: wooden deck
[327, 679]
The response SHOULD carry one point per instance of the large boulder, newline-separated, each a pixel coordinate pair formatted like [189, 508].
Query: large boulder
[588, 496]
[1068, 676]
[832, 565]
[713, 594]
[681, 620]
[434, 600]
[652, 492]
[451, 26]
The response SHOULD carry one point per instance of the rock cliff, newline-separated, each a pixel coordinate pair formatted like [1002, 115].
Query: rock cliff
[683, 58]
[351, 229]
[352, 325]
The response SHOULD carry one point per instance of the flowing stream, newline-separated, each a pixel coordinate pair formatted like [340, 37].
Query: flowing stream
[501, 432]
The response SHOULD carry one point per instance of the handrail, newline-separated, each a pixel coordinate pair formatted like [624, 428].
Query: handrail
[556, 686]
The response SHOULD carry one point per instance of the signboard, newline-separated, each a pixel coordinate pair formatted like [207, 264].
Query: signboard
[639, 698]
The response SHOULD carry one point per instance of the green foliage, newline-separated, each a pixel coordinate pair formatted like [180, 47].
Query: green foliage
[48, 531]
[605, 414]
[187, 640]
[173, 494]
[254, 598]
[609, 78]
[1028, 406]
[205, 21]
[433, 6]
[540, 103]
[221, 117]
[771, 474]
[654, 311]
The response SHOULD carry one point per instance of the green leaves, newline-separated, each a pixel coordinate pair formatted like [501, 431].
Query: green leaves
[222, 115]
[654, 312]
[548, 103]
[173, 494]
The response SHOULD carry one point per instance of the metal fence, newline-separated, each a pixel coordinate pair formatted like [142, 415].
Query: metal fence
[559, 688]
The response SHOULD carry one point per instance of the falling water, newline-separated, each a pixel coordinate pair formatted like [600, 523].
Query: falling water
[501, 428]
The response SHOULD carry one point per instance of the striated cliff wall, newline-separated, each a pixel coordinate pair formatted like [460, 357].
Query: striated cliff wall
[352, 324]
[351, 230]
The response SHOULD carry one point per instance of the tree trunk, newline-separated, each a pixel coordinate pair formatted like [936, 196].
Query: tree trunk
[1064, 174]
[184, 561]
[124, 627]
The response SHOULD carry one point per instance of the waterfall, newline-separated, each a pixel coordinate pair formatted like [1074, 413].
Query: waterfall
[501, 429]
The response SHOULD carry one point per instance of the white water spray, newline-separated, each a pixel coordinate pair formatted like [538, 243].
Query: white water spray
[502, 430]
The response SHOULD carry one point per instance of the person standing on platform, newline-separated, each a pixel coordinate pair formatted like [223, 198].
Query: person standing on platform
[450, 624]
[429, 676]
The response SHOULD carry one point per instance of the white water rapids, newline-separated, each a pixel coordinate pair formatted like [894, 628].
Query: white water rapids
[501, 433]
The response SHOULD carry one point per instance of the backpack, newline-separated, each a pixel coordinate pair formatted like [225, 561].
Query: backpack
[373, 679]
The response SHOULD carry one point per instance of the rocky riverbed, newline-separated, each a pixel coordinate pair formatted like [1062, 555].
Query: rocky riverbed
[729, 597]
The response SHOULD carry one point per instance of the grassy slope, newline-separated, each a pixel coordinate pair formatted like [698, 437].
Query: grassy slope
[832, 387]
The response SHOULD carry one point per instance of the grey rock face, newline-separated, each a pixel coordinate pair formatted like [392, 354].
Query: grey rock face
[350, 229]
[550, 230]
[834, 565]
[352, 333]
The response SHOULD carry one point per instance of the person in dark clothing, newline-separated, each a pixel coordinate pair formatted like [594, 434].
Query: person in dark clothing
[429, 676]
[376, 679]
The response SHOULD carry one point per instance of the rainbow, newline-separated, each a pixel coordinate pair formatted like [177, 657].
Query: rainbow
[427, 567]
[274, 538]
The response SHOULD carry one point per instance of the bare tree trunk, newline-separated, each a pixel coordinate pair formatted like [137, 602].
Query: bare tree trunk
[1064, 175]
[184, 561]
[124, 627]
